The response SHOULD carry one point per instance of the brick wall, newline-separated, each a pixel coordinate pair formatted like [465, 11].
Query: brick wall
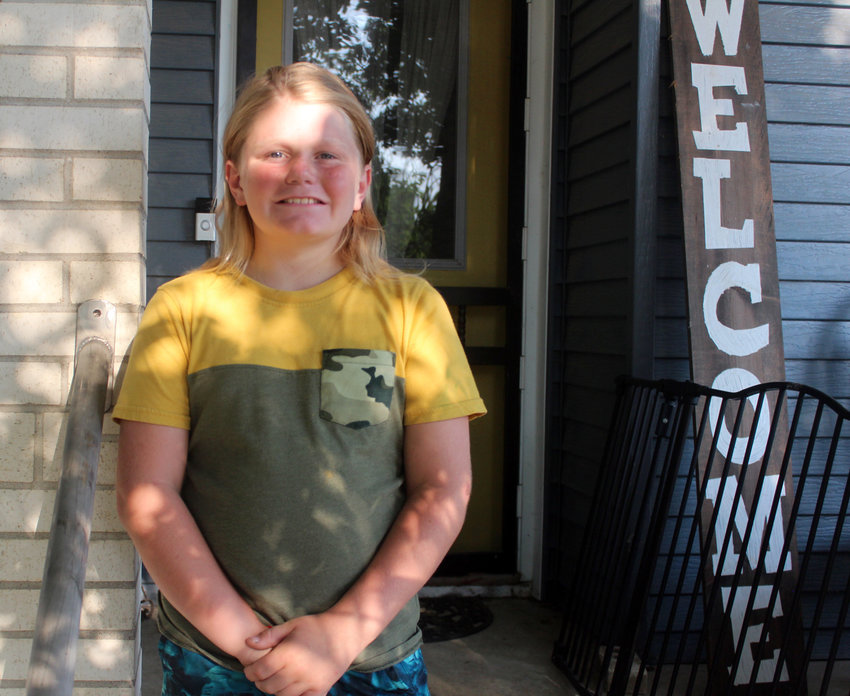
[74, 113]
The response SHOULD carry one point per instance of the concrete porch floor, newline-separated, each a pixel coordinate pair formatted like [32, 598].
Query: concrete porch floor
[511, 657]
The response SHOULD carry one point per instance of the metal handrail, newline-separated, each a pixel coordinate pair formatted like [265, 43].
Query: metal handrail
[54, 647]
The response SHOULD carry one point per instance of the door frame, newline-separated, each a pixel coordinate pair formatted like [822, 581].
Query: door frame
[539, 124]
[531, 137]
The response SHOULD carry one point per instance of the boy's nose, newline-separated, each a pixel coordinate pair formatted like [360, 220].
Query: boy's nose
[300, 169]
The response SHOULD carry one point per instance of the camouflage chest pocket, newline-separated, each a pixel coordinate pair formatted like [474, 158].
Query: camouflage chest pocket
[357, 386]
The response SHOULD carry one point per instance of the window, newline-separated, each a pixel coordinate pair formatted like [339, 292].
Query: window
[406, 62]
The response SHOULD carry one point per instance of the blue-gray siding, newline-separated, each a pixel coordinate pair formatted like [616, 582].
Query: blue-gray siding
[182, 132]
[807, 75]
[591, 257]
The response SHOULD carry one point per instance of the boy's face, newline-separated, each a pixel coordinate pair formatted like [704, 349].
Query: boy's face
[299, 173]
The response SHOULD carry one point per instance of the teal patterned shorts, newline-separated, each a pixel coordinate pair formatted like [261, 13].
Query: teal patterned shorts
[185, 673]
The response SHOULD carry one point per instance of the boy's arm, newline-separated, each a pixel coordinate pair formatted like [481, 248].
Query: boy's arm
[310, 653]
[151, 465]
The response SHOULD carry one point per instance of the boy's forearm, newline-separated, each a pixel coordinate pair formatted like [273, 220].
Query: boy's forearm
[438, 482]
[180, 562]
[418, 541]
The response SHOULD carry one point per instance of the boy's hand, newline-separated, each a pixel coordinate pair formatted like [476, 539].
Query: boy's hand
[306, 657]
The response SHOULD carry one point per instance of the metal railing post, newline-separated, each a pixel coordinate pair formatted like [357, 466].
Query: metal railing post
[54, 648]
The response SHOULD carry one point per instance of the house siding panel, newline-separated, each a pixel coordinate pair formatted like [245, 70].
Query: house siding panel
[181, 156]
[590, 258]
[590, 17]
[182, 131]
[184, 17]
[182, 121]
[186, 86]
[806, 52]
[806, 104]
[186, 52]
[671, 359]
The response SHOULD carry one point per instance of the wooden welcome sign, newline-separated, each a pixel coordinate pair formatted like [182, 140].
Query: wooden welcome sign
[735, 325]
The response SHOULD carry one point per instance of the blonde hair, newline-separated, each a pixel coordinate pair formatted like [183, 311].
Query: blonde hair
[361, 244]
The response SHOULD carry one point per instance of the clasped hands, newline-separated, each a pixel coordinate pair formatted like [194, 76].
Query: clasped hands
[305, 656]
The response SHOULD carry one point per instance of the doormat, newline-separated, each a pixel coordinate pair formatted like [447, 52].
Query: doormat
[447, 618]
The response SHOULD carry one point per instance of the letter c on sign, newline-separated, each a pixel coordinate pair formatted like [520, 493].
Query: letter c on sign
[733, 341]
[732, 380]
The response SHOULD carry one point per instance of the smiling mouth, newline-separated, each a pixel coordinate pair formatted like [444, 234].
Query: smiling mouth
[301, 201]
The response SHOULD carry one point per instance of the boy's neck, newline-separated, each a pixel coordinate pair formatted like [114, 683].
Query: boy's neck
[290, 273]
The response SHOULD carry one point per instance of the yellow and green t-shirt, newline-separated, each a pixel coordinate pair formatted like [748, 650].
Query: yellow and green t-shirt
[296, 404]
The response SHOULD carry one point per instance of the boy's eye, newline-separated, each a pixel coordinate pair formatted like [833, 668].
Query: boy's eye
[277, 154]
[327, 155]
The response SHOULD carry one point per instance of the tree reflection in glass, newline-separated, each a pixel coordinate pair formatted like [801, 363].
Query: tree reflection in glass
[402, 59]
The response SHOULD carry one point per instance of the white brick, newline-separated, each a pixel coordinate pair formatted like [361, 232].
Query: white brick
[18, 609]
[128, 324]
[97, 77]
[118, 282]
[37, 333]
[27, 76]
[25, 512]
[105, 513]
[30, 282]
[28, 512]
[108, 180]
[111, 561]
[53, 426]
[15, 657]
[74, 25]
[96, 691]
[104, 659]
[72, 127]
[108, 461]
[17, 449]
[83, 691]
[104, 609]
[32, 179]
[31, 383]
[71, 231]
[109, 609]
[22, 560]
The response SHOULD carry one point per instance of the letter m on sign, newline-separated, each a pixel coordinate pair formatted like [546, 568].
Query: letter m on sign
[761, 522]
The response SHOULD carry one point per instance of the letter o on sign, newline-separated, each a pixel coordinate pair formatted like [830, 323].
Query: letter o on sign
[732, 380]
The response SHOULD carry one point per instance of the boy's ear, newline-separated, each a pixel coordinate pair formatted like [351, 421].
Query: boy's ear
[231, 175]
[363, 186]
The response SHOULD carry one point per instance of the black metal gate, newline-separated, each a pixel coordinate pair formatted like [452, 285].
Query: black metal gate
[633, 619]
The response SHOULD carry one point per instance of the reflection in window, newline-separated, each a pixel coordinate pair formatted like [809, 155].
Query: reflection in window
[404, 62]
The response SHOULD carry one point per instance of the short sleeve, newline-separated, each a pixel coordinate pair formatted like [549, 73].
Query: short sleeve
[438, 380]
[154, 388]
